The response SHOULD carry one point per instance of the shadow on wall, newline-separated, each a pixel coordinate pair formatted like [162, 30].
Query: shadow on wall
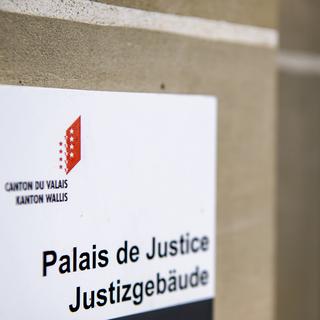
[298, 262]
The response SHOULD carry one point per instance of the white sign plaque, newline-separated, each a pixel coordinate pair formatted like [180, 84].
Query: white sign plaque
[107, 204]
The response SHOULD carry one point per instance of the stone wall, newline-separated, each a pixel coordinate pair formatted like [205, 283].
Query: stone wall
[298, 261]
[60, 50]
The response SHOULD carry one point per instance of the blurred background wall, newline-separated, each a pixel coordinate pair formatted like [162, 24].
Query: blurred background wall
[269, 157]
[298, 257]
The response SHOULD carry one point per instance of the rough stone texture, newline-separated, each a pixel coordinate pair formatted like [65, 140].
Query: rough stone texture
[252, 12]
[300, 25]
[53, 53]
[299, 201]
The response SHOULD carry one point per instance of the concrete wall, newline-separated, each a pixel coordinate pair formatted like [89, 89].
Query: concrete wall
[61, 52]
[298, 260]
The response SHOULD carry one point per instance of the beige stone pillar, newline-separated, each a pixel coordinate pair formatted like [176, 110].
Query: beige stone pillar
[62, 49]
